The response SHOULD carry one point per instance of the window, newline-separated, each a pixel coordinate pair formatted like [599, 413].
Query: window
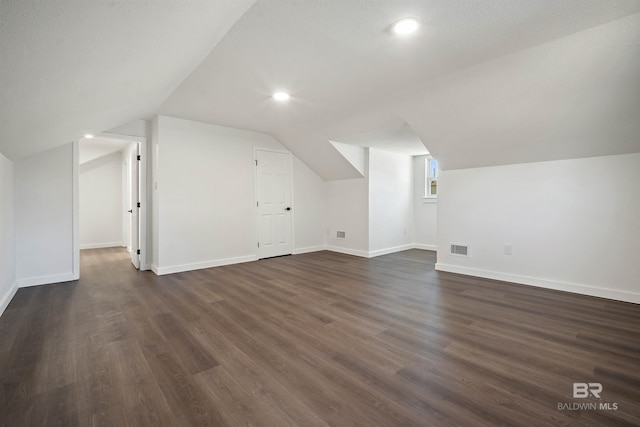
[431, 178]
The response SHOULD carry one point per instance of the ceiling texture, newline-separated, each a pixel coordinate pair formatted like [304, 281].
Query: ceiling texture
[481, 83]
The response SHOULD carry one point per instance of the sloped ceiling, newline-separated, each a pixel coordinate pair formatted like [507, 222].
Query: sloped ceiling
[70, 67]
[349, 75]
[399, 139]
[482, 82]
[575, 97]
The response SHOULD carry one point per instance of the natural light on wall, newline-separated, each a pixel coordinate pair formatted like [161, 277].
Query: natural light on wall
[431, 178]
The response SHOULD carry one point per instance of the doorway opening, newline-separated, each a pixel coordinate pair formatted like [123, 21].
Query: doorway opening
[111, 195]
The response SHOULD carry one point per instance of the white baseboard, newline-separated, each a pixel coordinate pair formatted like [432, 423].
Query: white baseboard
[632, 297]
[379, 252]
[217, 263]
[47, 280]
[308, 249]
[390, 250]
[425, 247]
[7, 297]
[200, 265]
[354, 252]
[100, 245]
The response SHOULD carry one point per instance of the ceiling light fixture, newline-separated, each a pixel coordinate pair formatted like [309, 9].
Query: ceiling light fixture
[405, 26]
[88, 136]
[281, 96]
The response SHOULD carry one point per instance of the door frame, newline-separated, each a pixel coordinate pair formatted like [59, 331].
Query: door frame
[143, 196]
[256, 215]
[133, 190]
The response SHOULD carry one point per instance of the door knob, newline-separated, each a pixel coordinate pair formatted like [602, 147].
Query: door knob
[288, 208]
[130, 211]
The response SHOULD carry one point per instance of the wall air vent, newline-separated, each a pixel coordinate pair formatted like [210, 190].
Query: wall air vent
[459, 250]
[340, 234]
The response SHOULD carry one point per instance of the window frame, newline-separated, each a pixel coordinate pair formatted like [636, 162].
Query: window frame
[428, 179]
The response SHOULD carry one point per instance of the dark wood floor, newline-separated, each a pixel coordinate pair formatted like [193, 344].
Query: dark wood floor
[312, 340]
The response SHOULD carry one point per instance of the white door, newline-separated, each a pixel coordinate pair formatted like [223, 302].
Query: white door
[274, 203]
[135, 206]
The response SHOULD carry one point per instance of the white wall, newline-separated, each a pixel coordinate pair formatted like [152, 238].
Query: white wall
[390, 202]
[139, 128]
[8, 285]
[45, 215]
[310, 214]
[348, 211]
[205, 196]
[153, 246]
[573, 225]
[354, 154]
[100, 197]
[383, 212]
[424, 210]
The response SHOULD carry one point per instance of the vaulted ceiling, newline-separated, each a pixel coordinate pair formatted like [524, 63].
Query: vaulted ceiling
[481, 82]
[70, 67]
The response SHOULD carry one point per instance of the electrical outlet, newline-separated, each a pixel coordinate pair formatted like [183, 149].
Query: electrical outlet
[508, 249]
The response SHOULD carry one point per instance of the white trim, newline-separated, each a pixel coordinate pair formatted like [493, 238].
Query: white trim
[200, 265]
[147, 165]
[424, 247]
[633, 297]
[47, 280]
[122, 137]
[142, 197]
[308, 249]
[249, 258]
[143, 151]
[348, 251]
[390, 250]
[256, 221]
[372, 254]
[428, 197]
[6, 299]
[100, 245]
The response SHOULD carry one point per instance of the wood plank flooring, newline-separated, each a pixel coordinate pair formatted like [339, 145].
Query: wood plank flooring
[319, 339]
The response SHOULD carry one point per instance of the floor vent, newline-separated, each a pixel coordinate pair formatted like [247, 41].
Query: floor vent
[340, 234]
[459, 250]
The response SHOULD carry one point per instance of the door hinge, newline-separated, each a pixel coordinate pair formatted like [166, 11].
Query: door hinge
[256, 163]
[138, 156]
[258, 244]
[138, 252]
[138, 204]
[257, 204]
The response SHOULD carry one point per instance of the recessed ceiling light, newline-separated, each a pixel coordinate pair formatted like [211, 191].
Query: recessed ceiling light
[88, 136]
[281, 96]
[405, 26]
